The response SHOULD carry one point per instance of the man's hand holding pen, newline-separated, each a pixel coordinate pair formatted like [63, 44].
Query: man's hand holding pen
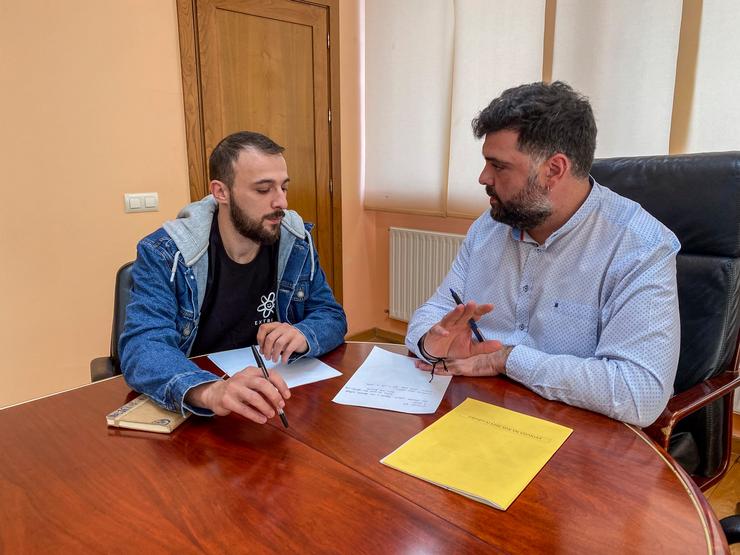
[254, 393]
[452, 339]
[247, 393]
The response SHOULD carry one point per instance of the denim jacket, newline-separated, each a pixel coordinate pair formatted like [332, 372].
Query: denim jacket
[169, 282]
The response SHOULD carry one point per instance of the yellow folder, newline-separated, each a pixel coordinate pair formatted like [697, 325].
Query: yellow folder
[482, 451]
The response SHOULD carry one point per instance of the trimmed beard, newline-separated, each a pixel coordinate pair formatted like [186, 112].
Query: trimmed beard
[527, 210]
[254, 229]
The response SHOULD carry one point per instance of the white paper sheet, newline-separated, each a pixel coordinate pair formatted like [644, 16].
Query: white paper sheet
[391, 382]
[302, 371]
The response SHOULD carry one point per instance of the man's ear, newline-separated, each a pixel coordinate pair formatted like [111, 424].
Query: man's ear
[220, 191]
[556, 167]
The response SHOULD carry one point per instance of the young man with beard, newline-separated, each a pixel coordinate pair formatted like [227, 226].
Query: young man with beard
[234, 269]
[572, 285]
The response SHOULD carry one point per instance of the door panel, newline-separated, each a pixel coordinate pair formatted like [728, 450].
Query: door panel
[264, 67]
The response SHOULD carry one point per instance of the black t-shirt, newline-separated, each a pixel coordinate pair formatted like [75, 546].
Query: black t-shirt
[239, 297]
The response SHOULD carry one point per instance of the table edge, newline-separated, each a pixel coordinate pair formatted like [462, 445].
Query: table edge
[713, 534]
[60, 392]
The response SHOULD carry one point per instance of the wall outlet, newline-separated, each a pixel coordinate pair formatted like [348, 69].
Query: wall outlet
[141, 202]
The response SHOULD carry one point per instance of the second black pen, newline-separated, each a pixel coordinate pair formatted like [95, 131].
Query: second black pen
[266, 374]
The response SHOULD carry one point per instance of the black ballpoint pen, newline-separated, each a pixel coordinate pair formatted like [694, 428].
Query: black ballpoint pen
[471, 322]
[261, 364]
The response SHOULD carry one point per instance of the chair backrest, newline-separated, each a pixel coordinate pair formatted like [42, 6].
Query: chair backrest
[120, 301]
[697, 196]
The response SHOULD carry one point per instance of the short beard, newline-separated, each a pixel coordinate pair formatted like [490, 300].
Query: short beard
[527, 210]
[254, 229]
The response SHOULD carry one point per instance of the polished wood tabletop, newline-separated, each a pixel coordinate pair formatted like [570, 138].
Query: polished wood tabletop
[68, 483]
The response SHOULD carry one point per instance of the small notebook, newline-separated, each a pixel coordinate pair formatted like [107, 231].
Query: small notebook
[144, 414]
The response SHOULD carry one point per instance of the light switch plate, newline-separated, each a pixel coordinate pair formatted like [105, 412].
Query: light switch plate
[141, 202]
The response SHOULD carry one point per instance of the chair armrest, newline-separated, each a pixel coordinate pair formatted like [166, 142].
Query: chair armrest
[689, 401]
[101, 368]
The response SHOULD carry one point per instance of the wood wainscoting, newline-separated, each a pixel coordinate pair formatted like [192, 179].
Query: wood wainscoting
[377, 335]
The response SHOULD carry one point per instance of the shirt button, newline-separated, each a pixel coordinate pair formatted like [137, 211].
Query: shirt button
[299, 294]
[521, 326]
[526, 288]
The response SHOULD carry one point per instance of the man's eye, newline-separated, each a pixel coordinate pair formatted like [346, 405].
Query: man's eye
[263, 191]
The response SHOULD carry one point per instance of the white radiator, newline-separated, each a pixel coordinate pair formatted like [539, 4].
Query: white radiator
[419, 261]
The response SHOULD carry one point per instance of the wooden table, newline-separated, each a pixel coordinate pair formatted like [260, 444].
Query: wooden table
[68, 483]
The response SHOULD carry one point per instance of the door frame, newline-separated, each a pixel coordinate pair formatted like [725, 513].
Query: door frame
[194, 125]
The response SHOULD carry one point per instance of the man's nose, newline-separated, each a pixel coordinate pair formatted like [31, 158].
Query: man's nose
[486, 177]
[280, 200]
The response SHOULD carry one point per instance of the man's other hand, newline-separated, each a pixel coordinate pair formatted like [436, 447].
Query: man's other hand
[246, 393]
[486, 364]
[278, 341]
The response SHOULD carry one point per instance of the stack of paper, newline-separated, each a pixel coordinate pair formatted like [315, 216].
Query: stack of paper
[482, 451]
[392, 382]
[300, 372]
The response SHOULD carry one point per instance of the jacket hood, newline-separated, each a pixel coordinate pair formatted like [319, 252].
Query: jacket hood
[192, 228]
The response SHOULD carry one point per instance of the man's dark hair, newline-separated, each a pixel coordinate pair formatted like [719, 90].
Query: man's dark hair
[549, 118]
[224, 156]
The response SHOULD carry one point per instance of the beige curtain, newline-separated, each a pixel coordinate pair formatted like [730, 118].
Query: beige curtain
[408, 67]
[714, 124]
[431, 65]
[497, 44]
[622, 55]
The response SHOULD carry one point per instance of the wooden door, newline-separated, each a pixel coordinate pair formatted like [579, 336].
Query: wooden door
[264, 65]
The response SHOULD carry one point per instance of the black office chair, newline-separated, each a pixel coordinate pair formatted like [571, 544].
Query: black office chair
[106, 367]
[731, 528]
[697, 196]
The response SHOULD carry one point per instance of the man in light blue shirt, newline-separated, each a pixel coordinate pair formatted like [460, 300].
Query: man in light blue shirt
[572, 285]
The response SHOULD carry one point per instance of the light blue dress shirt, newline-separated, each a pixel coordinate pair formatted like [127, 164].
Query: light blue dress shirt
[592, 312]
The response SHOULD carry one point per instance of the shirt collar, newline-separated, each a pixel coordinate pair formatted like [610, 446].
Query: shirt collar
[588, 206]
